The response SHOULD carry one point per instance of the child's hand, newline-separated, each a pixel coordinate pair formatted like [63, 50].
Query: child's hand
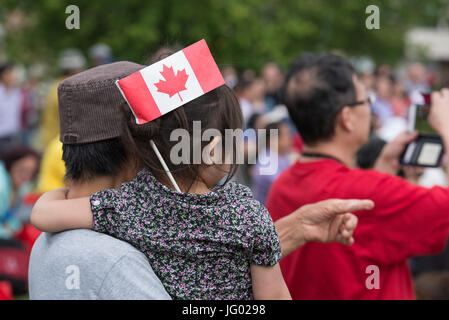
[53, 213]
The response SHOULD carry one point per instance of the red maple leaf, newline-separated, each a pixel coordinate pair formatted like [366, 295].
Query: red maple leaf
[172, 84]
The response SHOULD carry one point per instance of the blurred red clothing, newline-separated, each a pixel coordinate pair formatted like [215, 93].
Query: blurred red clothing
[298, 145]
[407, 221]
[5, 291]
[28, 235]
[400, 107]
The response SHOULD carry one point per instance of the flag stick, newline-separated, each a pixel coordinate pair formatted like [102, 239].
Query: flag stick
[164, 165]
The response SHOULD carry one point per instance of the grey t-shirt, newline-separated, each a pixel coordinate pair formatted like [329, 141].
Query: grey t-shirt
[85, 265]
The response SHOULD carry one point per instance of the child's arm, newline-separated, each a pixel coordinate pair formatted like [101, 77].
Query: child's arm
[53, 213]
[268, 283]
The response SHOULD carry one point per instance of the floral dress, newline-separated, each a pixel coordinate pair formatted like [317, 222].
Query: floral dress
[200, 246]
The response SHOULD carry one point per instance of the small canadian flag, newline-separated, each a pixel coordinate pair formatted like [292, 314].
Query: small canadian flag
[171, 82]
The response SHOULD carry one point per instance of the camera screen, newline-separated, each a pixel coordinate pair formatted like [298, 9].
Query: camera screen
[430, 153]
[421, 123]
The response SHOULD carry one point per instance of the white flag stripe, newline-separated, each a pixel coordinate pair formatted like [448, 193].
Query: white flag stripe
[152, 75]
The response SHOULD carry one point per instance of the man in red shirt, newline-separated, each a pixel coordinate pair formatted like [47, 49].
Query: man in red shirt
[329, 106]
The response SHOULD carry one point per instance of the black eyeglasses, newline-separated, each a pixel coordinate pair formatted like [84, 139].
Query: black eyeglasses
[369, 100]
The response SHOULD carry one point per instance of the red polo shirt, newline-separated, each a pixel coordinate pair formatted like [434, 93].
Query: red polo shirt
[407, 221]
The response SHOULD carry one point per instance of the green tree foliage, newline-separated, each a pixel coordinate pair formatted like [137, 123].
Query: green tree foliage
[245, 33]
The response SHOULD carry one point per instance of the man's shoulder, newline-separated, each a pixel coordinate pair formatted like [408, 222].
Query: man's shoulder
[332, 171]
[84, 244]
[303, 183]
[79, 264]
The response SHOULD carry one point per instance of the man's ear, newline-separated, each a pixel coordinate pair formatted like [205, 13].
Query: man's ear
[211, 154]
[345, 119]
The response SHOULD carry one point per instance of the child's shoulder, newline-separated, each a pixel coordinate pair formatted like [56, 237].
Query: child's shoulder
[240, 194]
[242, 199]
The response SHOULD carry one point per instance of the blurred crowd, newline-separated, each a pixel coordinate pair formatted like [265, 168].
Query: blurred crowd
[30, 150]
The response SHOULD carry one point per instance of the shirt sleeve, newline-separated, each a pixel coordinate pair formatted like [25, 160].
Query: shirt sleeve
[132, 278]
[408, 220]
[113, 214]
[266, 250]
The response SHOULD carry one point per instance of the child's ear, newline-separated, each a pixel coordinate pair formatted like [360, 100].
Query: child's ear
[212, 152]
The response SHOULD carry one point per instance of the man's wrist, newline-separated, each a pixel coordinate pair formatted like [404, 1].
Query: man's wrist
[290, 230]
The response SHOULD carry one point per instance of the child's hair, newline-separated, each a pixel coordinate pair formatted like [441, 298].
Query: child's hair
[218, 109]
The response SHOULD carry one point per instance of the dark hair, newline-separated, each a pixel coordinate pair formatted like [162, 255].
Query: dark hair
[162, 53]
[89, 160]
[432, 286]
[218, 109]
[4, 67]
[317, 86]
[252, 121]
[272, 126]
[368, 153]
[17, 153]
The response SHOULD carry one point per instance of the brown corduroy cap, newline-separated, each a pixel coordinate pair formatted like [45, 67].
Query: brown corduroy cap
[90, 104]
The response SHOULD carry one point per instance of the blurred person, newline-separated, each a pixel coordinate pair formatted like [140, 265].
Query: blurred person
[261, 181]
[162, 53]
[366, 68]
[31, 103]
[416, 78]
[5, 202]
[248, 75]
[250, 148]
[70, 62]
[273, 77]
[21, 165]
[412, 173]
[251, 96]
[400, 101]
[392, 128]
[383, 70]
[434, 177]
[10, 108]
[255, 123]
[430, 177]
[382, 106]
[432, 286]
[6, 291]
[329, 105]
[99, 54]
[230, 76]
[369, 81]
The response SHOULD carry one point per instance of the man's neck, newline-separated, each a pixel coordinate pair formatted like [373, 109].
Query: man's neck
[79, 189]
[340, 151]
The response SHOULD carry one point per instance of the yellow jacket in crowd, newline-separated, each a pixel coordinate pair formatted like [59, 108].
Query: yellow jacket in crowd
[52, 171]
[50, 116]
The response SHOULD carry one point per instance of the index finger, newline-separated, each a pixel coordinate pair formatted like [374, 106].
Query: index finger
[351, 205]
